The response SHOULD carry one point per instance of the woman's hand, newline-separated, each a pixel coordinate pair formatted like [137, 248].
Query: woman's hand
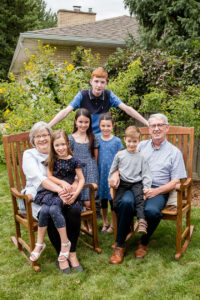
[72, 199]
[64, 196]
[66, 186]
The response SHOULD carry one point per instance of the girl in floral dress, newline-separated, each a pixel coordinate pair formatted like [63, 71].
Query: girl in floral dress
[62, 169]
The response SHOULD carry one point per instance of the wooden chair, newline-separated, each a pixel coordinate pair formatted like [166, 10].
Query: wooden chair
[14, 146]
[182, 138]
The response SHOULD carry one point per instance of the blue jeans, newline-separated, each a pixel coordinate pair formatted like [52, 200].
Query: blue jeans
[126, 209]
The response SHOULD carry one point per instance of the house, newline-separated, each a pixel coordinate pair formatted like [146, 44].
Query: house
[77, 28]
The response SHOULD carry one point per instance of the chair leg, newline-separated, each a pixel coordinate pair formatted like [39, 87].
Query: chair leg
[95, 234]
[178, 237]
[189, 229]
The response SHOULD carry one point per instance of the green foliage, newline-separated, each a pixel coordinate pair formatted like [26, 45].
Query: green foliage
[167, 83]
[172, 25]
[44, 89]
[16, 17]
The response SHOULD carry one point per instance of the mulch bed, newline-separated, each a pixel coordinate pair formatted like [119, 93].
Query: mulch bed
[196, 193]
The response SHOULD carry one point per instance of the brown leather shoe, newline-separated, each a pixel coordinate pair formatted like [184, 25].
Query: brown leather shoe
[141, 250]
[118, 255]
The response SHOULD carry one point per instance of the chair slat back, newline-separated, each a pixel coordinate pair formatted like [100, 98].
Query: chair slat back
[14, 146]
[182, 138]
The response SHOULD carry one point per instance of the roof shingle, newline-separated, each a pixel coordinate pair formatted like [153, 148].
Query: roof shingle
[114, 29]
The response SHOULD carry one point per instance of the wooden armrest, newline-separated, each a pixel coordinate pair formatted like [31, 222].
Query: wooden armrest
[183, 186]
[17, 194]
[92, 186]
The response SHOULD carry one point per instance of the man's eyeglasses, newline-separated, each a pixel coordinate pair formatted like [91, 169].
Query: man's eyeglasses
[43, 136]
[160, 126]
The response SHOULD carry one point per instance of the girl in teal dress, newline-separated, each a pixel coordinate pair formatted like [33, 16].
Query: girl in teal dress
[109, 146]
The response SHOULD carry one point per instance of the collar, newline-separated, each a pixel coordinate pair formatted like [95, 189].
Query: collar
[93, 97]
[161, 145]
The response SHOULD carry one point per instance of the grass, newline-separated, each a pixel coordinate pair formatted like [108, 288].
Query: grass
[157, 276]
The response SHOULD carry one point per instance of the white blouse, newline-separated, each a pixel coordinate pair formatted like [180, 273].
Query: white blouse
[35, 173]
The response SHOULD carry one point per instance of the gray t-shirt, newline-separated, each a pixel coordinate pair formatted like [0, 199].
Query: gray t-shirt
[132, 168]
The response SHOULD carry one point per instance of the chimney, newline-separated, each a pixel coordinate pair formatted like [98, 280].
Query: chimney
[77, 8]
[74, 17]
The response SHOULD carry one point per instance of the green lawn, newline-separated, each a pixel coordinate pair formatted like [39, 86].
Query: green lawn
[157, 276]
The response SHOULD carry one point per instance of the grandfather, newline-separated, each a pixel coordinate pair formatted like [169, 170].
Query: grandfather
[167, 168]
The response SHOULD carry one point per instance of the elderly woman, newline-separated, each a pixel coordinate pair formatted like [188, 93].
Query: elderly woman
[36, 179]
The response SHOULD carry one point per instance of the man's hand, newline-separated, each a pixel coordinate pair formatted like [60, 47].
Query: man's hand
[150, 193]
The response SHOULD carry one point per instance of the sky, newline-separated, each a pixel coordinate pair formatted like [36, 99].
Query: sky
[104, 9]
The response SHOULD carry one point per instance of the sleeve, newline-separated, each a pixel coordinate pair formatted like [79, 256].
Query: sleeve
[77, 164]
[114, 100]
[71, 142]
[76, 102]
[146, 174]
[96, 142]
[120, 146]
[114, 166]
[31, 169]
[178, 167]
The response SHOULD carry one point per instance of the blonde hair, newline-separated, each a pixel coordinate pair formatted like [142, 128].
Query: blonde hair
[132, 132]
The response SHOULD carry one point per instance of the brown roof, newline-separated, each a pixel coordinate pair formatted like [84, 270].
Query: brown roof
[112, 29]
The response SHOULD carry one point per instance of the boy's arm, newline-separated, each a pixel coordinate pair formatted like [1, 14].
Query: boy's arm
[133, 113]
[61, 115]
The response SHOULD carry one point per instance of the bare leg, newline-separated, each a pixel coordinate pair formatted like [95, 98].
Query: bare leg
[73, 259]
[39, 247]
[65, 247]
[111, 228]
[105, 218]
[88, 224]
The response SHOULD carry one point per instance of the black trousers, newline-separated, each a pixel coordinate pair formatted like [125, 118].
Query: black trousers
[137, 190]
[72, 217]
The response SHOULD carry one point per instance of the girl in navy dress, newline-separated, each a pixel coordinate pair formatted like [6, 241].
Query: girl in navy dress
[84, 146]
[62, 169]
[109, 146]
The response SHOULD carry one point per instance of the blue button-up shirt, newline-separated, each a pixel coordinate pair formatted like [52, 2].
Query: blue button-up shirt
[166, 162]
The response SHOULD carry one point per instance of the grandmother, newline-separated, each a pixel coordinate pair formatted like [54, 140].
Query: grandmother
[36, 180]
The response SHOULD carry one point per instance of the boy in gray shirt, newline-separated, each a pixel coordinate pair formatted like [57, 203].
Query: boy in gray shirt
[134, 174]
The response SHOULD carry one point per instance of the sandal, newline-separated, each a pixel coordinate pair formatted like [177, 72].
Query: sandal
[37, 254]
[65, 254]
[104, 229]
[110, 229]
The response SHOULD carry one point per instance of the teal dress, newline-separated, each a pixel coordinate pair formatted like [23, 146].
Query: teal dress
[107, 151]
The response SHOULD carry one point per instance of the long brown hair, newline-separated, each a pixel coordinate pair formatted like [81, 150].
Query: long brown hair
[91, 137]
[57, 134]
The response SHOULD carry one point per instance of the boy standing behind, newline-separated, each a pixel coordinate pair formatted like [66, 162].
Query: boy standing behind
[134, 175]
[97, 100]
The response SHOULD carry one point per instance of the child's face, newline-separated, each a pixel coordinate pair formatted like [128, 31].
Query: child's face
[98, 85]
[131, 144]
[82, 124]
[60, 147]
[106, 127]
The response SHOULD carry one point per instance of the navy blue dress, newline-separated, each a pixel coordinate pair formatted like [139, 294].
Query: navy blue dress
[64, 169]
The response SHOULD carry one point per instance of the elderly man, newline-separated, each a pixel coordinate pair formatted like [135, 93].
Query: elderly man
[167, 168]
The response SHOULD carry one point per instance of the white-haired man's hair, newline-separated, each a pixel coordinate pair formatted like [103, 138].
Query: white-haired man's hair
[158, 116]
[39, 126]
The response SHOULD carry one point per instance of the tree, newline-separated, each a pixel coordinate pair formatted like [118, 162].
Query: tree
[16, 17]
[169, 24]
